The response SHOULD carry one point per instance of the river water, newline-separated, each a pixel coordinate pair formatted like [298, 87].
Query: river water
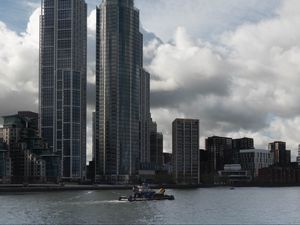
[199, 206]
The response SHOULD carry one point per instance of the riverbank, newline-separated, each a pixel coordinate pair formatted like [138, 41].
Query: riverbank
[72, 187]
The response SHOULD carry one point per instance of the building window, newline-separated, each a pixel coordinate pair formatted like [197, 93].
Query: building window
[48, 3]
[66, 166]
[64, 24]
[64, 14]
[67, 97]
[47, 97]
[67, 80]
[63, 44]
[67, 114]
[64, 4]
[67, 131]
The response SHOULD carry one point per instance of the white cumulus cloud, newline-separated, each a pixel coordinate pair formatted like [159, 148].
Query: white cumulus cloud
[245, 83]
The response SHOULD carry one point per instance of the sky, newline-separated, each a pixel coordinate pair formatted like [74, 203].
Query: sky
[233, 64]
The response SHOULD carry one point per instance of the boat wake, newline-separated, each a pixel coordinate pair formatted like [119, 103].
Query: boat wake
[97, 202]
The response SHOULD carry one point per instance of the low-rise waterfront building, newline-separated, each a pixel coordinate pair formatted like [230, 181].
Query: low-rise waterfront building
[233, 174]
[280, 175]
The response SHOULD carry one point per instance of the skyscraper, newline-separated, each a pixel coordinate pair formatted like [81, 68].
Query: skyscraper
[119, 49]
[63, 82]
[145, 118]
[185, 151]
[220, 152]
[156, 147]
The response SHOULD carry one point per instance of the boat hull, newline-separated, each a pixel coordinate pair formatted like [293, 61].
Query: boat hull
[154, 198]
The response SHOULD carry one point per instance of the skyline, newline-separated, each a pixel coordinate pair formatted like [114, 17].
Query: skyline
[217, 107]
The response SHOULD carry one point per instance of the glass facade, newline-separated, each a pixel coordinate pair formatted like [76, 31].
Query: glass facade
[145, 119]
[63, 82]
[118, 77]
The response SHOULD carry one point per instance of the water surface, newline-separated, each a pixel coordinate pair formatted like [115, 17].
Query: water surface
[199, 206]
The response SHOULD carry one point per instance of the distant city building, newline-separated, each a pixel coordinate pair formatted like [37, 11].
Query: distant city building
[280, 175]
[5, 164]
[167, 162]
[298, 157]
[220, 152]
[156, 146]
[27, 167]
[167, 158]
[91, 171]
[119, 63]
[14, 124]
[1, 134]
[281, 156]
[30, 159]
[94, 136]
[206, 167]
[243, 143]
[185, 151]
[63, 80]
[233, 174]
[253, 160]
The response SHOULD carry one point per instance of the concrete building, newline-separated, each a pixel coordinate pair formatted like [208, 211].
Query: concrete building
[185, 151]
[119, 51]
[253, 160]
[63, 80]
[281, 156]
[220, 152]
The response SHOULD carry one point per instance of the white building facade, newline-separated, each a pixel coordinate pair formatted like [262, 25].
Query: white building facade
[255, 159]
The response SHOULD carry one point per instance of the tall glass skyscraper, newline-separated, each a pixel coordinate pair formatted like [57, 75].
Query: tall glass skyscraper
[145, 118]
[118, 77]
[63, 44]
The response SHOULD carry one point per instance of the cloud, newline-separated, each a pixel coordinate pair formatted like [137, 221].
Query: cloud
[235, 67]
[243, 83]
[201, 17]
[19, 67]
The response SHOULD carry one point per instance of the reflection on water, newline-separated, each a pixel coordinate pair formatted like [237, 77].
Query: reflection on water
[200, 206]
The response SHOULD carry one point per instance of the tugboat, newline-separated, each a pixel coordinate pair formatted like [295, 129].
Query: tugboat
[144, 193]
